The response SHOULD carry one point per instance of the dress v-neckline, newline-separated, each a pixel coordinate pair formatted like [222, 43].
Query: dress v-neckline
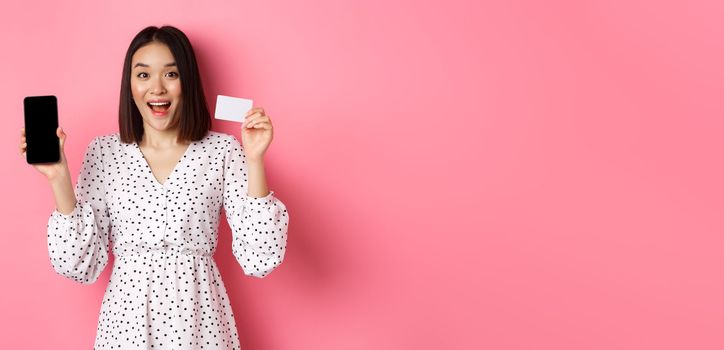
[175, 168]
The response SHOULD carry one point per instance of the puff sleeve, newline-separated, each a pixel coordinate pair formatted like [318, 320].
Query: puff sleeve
[78, 242]
[258, 225]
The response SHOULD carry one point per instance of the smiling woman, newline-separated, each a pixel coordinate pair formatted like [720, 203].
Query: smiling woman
[158, 204]
[160, 64]
[155, 86]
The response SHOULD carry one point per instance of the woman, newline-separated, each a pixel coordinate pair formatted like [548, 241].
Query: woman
[155, 191]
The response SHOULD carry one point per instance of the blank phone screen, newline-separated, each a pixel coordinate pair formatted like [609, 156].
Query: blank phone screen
[41, 122]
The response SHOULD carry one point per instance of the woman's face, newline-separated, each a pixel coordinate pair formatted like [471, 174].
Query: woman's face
[155, 80]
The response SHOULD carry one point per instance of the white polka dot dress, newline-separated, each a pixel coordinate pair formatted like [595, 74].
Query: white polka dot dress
[165, 290]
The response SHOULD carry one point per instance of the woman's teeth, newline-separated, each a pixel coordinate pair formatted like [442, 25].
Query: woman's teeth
[159, 106]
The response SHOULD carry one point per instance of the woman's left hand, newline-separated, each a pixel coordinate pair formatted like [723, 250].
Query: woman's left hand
[256, 133]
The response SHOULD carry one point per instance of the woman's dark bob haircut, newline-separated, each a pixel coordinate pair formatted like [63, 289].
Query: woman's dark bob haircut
[192, 118]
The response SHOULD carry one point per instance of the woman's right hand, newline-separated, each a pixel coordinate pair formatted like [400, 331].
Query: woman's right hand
[51, 171]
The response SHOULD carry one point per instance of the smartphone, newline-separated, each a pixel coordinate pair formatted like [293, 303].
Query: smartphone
[41, 123]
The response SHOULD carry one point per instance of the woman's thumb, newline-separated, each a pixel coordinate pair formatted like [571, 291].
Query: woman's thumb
[61, 136]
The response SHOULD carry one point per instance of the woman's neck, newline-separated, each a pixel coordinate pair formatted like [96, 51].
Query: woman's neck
[160, 139]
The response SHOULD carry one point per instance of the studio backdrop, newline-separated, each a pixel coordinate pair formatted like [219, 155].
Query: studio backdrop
[459, 174]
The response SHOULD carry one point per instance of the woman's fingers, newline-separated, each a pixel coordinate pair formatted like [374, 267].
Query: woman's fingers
[263, 125]
[22, 140]
[255, 110]
[257, 119]
[252, 116]
[253, 120]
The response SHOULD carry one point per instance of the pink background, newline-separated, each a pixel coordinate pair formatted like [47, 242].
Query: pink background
[459, 175]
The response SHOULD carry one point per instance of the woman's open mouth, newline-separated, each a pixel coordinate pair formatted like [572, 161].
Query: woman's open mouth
[159, 109]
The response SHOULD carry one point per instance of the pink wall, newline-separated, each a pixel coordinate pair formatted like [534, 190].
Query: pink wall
[460, 175]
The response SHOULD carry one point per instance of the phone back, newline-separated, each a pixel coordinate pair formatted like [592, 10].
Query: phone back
[41, 122]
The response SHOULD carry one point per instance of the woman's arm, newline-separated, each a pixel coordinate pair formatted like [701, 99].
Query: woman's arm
[64, 194]
[78, 239]
[256, 134]
[257, 179]
[258, 224]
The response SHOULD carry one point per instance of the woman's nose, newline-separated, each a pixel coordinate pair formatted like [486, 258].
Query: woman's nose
[157, 86]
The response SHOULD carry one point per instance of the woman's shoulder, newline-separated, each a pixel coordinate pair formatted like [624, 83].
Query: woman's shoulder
[107, 141]
[220, 135]
[217, 137]
[108, 138]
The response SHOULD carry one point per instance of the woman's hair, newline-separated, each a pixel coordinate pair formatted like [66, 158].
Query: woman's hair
[193, 116]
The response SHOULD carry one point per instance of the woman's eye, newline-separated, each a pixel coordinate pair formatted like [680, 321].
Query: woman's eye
[145, 75]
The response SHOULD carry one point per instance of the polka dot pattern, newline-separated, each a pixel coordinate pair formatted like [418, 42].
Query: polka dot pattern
[165, 290]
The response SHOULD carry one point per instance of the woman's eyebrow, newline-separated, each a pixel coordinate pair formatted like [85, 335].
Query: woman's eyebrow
[139, 64]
